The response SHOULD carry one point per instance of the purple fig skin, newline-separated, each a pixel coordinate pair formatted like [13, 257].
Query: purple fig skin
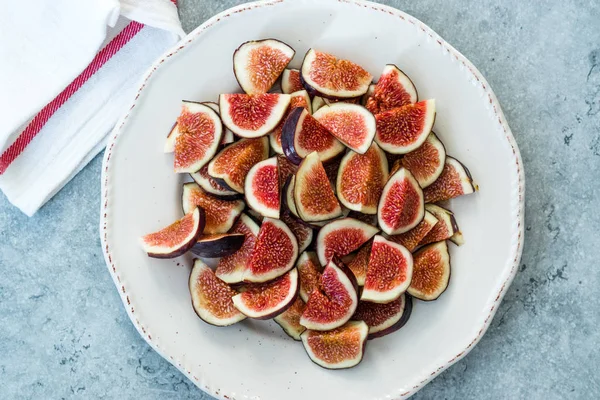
[188, 245]
[408, 303]
[222, 182]
[221, 247]
[235, 196]
[288, 133]
[284, 307]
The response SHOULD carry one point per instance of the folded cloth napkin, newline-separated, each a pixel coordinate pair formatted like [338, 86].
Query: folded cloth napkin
[67, 68]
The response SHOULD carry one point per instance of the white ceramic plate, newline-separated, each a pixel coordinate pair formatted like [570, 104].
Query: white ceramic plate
[256, 360]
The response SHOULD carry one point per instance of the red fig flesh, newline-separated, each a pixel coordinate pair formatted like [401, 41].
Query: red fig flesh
[210, 185]
[431, 271]
[274, 254]
[332, 307]
[384, 319]
[427, 162]
[220, 214]
[227, 134]
[313, 196]
[290, 81]
[325, 75]
[309, 271]
[232, 268]
[401, 206]
[403, 129]
[177, 238]
[211, 297]
[365, 98]
[252, 116]
[394, 89]
[262, 188]
[232, 164]
[289, 320]
[269, 299]
[258, 63]
[217, 245]
[352, 124]
[297, 99]
[455, 180]
[389, 272]
[337, 349]
[444, 229]
[358, 265]
[412, 238]
[342, 237]
[361, 178]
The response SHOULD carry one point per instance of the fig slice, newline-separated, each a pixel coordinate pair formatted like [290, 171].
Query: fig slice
[317, 103]
[286, 169]
[403, 129]
[289, 320]
[218, 245]
[327, 76]
[336, 303]
[303, 233]
[220, 214]
[231, 269]
[290, 81]
[288, 195]
[342, 237]
[196, 136]
[177, 238]
[394, 89]
[384, 319]
[352, 124]
[337, 349]
[232, 164]
[262, 188]
[302, 134]
[269, 299]
[446, 227]
[431, 271]
[412, 238]
[210, 185]
[365, 97]
[455, 180]
[313, 195]
[211, 297]
[389, 272]
[309, 271]
[258, 63]
[227, 134]
[401, 206]
[426, 162]
[274, 253]
[253, 115]
[361, 178]
[297, 99]
[358, 265]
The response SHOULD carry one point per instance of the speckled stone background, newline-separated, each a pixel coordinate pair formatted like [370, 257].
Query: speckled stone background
[64, 332]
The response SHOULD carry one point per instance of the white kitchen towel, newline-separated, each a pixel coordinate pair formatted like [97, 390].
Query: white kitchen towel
[67, 68]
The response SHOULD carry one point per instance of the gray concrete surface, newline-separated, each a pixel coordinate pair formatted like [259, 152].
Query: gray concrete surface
[64, 332]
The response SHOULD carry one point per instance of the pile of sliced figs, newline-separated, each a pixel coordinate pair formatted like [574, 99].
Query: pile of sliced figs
[319, 192]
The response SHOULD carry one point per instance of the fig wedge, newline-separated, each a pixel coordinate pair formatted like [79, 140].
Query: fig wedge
[351, 124]
[358, 265]
[274, 254]
[446, 227]
[303, 233]
[412, 238]
[210, 185]
[337, 349]
[227, 134]
[286, 169]
[384, 319]
[297, 100]
[252, 116]
[196, 137]
[342, 237]
[220, 214]
[211, 297]
[231, 269]
[309, 271]
[336, 303]
[289, 320]
[394, 89]
[217, 245]
[313, 196]
[431, 272]
[389, 272]
[262, 188]
[303, 134]
[427, 162]
[258, 63]
[401, 206]
[269, 299]
[361, 178]
[290, 81]
[403, 129]
[454, 181]
[365, 97]
[177, 238]
[327, 76]
[232, 164]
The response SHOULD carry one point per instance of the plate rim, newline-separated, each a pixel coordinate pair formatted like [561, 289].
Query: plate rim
[516, 250]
